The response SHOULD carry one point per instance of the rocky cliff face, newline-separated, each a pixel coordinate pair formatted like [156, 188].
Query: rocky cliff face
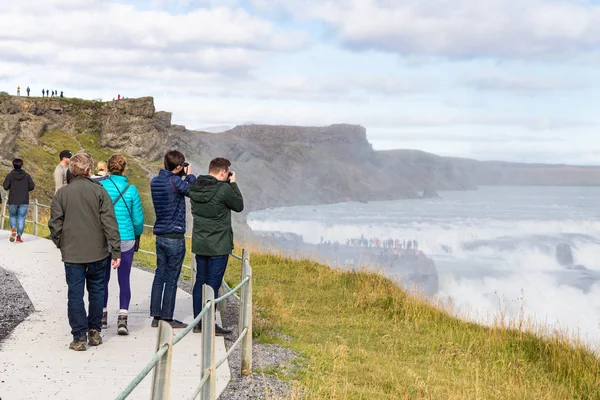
[130, 125]
[276, 165]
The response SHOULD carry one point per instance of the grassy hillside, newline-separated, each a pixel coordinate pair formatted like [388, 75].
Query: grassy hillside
[362, 337]
[40, 161]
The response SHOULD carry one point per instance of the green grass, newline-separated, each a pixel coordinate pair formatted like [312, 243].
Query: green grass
[40, 161]
[363, 337]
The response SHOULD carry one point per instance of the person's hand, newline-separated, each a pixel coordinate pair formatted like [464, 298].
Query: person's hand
[232, 177]
[188, 169]
[115, 262]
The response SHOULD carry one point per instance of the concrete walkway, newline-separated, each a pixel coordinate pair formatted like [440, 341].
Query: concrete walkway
[35, 360]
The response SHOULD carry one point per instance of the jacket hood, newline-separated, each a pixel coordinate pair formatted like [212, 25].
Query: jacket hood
[18, 174]
[205, 188]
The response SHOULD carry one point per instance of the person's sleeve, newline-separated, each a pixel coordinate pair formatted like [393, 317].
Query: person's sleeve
[57, 219]
[233, 197]
[109, 224]
[190, 178]
[180, 186]
[31, 183]
[7, 182]
[58, 179]
[138, 213]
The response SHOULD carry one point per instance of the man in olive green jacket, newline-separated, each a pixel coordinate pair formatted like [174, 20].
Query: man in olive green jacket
[82, 225]
[213, 197]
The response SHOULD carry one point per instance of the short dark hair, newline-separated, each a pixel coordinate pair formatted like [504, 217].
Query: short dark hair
[17, 163]
[65, 154]
[173, 159]
[219, 164]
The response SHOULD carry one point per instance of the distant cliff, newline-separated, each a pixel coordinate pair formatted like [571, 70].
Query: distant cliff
[276, 165]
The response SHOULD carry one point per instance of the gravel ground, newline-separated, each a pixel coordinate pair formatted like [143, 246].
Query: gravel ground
[266, 357]
[15, 305]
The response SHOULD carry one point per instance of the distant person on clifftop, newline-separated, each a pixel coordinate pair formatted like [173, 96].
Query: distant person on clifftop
[213, 197]
[20, 184]
[18, 90]
[130, 217]
[60, 172]
[43, 93]
[83, 226]
[169, 190]
[28, 90]
[61, 94]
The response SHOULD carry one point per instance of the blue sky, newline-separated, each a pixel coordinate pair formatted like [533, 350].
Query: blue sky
[499, 79]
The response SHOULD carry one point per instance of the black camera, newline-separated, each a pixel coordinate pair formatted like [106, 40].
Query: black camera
[183, 171]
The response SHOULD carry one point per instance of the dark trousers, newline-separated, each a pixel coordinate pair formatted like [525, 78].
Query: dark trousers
[78, 275]
[124, 276]
[210, 271]
[169, 259]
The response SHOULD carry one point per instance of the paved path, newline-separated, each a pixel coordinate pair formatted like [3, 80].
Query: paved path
[36, 363]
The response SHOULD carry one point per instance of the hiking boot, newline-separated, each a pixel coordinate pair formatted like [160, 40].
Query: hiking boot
[104, 322]
[19, 240]
[78, 345]
[175, 324]
[122, 325]
[13, 235]
[155, 322]
[94, 337]
[220, 331]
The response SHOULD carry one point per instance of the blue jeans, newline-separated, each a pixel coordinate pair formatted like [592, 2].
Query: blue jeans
[210, 271]
[17, 217]
[169, 259]
[77, 276]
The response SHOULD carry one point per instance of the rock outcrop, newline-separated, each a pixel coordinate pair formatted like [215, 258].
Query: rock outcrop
[130, 125]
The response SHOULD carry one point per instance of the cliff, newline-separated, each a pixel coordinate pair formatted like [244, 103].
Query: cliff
[276, 165]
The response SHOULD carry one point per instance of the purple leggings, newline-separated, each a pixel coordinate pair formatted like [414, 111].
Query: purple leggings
[124, 273]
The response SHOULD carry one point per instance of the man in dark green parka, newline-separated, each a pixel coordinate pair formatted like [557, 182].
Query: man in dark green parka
[213, 197]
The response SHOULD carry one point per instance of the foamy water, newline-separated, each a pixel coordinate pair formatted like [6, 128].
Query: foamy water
[494, 248]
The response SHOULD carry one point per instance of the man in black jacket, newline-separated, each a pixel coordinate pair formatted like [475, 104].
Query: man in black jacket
[20, 184]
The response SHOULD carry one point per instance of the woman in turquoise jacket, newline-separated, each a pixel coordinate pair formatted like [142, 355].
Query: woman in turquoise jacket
[130, 217]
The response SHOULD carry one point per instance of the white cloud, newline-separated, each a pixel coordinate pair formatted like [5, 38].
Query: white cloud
[524, 29]
[528, 83]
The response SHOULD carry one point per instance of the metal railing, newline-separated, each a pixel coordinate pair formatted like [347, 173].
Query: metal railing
[160, 363]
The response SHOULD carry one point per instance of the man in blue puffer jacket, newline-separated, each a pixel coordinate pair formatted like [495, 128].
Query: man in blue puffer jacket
[130, 217]
[169, 190]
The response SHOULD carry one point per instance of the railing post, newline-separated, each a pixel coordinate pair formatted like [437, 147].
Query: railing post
[209, 390]
[36, 220]
[4, 201]
[246, 316]
[161, 377]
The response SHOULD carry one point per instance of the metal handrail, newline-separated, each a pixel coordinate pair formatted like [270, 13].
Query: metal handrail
[140, 377]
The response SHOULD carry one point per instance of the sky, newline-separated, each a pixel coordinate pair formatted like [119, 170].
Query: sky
[491, 80]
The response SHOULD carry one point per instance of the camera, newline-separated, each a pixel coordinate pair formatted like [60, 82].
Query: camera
[183, 171]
